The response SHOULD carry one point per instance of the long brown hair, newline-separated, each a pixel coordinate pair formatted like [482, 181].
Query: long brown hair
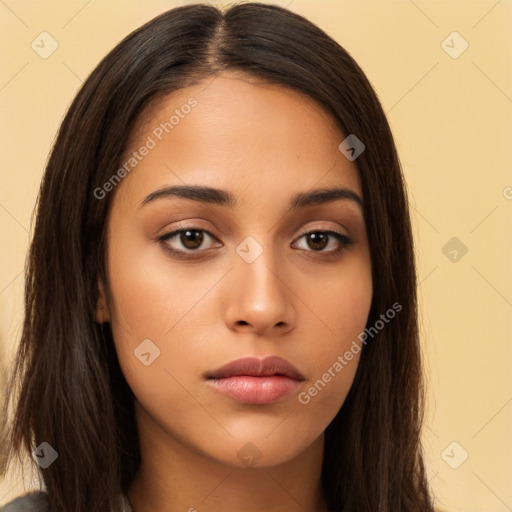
[72, 393]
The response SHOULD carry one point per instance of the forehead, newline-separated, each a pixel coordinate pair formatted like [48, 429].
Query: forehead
[234, 132]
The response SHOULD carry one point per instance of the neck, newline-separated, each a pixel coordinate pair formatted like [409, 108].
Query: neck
[175, 478]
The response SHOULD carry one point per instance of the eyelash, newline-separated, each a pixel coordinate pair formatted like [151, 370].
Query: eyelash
[344, 242]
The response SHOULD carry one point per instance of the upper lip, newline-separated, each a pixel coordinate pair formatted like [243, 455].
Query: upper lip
[253, 366]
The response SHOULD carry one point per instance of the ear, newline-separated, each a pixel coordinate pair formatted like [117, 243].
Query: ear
[102, 314]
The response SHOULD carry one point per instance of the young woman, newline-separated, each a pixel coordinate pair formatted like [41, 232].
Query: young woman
[221, 294]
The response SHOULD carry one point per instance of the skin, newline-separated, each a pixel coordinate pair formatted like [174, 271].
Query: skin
[264, 144]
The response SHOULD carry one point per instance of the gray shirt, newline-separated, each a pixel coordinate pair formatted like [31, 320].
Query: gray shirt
[37, 501]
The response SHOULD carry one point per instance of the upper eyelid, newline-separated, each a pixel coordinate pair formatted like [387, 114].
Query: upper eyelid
[179, 229]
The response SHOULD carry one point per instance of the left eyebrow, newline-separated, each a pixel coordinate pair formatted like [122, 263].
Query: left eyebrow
[224, 198]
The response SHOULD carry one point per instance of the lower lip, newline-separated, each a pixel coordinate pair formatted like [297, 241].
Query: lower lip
[256, 390]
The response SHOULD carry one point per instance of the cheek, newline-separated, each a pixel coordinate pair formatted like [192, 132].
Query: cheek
[323, 395]
[161, 317]
[334, 354]
[339, 307]
[150, 295]
[148, 303]
[156, 331]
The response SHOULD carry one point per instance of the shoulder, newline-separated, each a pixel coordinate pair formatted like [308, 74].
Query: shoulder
[37, 501]
[32, 502]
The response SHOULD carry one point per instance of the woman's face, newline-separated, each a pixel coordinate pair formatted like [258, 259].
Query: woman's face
[258, 270]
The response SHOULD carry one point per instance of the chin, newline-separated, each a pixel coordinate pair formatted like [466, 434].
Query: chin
[261, 450]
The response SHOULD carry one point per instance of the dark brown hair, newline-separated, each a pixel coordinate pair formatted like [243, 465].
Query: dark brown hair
[72, 393]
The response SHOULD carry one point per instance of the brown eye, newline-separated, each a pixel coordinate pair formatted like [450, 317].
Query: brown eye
[317, 241]
[186, 240]
[191, 239]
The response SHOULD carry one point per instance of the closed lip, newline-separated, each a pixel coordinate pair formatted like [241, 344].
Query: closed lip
[256, 367]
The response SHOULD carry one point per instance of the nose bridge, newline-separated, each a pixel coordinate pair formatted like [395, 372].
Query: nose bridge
[257, 262]
[260, 297]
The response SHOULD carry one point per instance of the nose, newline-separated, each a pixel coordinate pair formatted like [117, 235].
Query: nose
[258, 298]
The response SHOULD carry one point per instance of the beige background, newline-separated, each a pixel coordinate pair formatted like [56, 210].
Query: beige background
[452, 120]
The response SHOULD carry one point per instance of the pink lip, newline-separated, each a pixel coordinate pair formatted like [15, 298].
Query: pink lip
[256, 381]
